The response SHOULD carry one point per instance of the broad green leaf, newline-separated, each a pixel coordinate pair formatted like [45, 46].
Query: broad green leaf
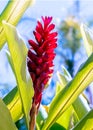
[73, 111]
[57, 126]
[13, 102]
[62, 79]
[18, 53]
[6, 122]
[12, 99]
[12, 14]
[87, 35]
[80, 101]
[66, 73]
[83, 106]
[68, 95]
[10, 61]
[65, 119]
[58, 88]
[86, 123]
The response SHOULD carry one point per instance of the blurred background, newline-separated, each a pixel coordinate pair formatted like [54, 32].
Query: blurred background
[67, 16]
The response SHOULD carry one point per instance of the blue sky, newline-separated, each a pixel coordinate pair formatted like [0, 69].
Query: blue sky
[61, 8]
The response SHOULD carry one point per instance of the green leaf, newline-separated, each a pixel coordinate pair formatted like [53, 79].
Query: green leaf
[83, 106]
[80, 101]
[66, 73]
[41, 117]
[6, 122]
[87, 35]
[12, 14]
[68, 95]
[57, 126]
[10, 61]
[65, 119]
[71, 112]
[18, 53]
[86, 123]
[12, 99]
[62, 79]
[13, 102]
[58, 88]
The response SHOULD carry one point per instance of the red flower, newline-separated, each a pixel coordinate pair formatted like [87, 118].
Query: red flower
[41, 55]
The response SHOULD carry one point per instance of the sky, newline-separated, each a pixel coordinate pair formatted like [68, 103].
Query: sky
[61, 8]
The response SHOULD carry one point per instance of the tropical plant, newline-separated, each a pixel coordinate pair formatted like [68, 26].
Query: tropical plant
[69, 109]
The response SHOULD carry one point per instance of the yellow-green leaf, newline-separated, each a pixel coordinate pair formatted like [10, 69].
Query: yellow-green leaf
[18, 52]
[68, 95]
[62, 79]
[6, 122]
[80, 101]
[86, 123]
[41, 117]
[87, 35]
[83, 106]
[65, 119]
[13, 102]
[12, 14]
[10, 61]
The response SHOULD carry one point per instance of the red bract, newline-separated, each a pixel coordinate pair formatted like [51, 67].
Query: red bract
[41, 55]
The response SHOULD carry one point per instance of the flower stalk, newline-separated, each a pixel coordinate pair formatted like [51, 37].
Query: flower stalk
[40, 60]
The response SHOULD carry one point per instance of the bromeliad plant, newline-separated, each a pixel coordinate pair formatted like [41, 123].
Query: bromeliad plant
[68, 110]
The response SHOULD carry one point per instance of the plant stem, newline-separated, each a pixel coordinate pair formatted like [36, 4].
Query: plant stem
[33, 113]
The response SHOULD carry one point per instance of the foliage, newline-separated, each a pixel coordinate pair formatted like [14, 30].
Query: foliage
[68, 110]
[70, 40]
[12, 14]
[6, 122]
[18, 52]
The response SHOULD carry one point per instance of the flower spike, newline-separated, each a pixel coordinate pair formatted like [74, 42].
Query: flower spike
[41, 55]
